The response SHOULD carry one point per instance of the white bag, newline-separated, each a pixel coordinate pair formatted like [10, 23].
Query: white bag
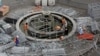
[51, 2]
[44, 2]
[38, 2]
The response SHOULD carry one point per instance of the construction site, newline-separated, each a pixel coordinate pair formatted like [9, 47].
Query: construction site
[49, 28]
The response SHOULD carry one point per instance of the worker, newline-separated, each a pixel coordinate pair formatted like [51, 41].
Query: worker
[57, 28]
[80, 30]
[16, 40]
[61, 38]
[25, 27]
[64, 27]
[64, 22]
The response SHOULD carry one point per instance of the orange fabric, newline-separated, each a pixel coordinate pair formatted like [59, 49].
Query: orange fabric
[87, 36]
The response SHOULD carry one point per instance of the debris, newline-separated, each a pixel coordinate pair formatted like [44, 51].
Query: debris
[94, 10]
[4, 38]
[94, 27]
[4, 47]
[71, 12]
[20, 49]
[54, 52]
[10, 20]
[82, 23]
[2, 31]
[85, 21]
[33, 46]
[3, 54]
[43, 45]
[8, 28]
[2, 22]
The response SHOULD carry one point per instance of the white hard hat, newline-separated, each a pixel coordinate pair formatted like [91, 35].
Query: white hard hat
[17, 36]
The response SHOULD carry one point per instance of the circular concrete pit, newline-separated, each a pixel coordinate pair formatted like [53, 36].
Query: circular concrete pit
[42, 26]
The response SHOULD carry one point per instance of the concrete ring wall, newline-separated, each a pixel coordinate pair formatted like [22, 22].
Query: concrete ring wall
[34, 38]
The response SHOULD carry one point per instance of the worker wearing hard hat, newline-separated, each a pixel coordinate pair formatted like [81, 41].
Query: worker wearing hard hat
[57, 28]
[25, 27]
[61, 38]
[64, 27]
[16, 40]
[64, 22]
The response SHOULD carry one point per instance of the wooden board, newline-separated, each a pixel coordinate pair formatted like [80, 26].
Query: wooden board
[4, 9]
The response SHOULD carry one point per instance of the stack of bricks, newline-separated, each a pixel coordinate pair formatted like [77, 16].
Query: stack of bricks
[94, 10]
[4, 10]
